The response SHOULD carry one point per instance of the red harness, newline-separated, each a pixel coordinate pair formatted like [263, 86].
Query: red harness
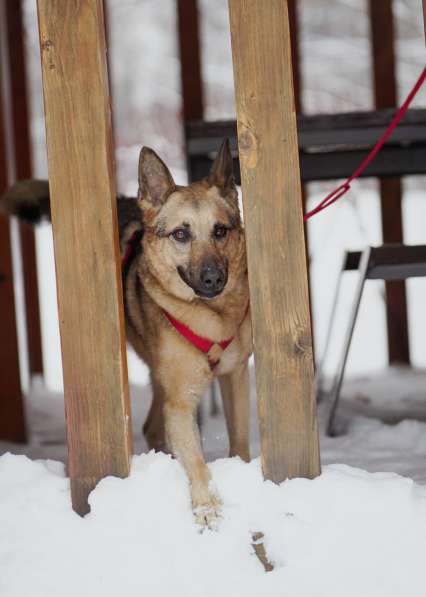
[208, 347]
[211, 349]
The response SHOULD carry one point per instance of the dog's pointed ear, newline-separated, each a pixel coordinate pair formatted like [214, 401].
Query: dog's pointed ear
[155, 181]
[222, 172]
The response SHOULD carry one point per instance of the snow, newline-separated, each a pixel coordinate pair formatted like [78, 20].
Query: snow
[336, 535]
[348, 532]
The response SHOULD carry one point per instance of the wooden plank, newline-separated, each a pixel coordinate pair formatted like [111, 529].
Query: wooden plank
[424, 16]
[331, 165]
[385, 94]
[267, 141]
[23, 169]
[190, 68]
[79, 144]
[390, 161]
[293, 17]
[324, 132]
[12, 416]
[190, 59]
[295, 53]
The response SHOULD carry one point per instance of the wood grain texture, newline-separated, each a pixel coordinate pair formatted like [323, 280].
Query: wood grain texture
[269, 159]
[23, 169]
[385, 94]
[293, 19]
[78, 126]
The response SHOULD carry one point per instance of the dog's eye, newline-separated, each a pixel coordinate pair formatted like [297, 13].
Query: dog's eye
[182, 235]
[220, 231]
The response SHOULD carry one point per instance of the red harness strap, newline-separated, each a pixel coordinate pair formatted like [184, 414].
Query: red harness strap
[203, 344]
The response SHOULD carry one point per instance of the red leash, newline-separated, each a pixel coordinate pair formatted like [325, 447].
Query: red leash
[344, 188]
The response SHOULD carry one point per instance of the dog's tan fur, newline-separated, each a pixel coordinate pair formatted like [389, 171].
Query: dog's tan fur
[180, 373]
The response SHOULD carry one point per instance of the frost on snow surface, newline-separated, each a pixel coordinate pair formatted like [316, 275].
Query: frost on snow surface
[346, 533]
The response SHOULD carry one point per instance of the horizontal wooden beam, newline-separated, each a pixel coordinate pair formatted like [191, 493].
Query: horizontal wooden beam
[330, 147]
[390, 161]
[337, 132]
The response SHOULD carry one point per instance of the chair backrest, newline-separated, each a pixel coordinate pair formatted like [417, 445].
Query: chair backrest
[391, 262]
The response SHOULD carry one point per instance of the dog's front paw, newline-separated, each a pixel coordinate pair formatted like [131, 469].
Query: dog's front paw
[207, 512]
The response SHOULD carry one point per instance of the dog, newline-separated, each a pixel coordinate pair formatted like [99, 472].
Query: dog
[186, 302]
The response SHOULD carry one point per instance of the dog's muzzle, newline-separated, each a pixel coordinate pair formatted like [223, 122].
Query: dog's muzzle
[210, 281]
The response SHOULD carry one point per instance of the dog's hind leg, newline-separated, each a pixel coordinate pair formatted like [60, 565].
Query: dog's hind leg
[153, 428]
[234, 388]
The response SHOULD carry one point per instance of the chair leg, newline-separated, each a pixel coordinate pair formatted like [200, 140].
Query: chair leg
[319, 378]
[334, 395]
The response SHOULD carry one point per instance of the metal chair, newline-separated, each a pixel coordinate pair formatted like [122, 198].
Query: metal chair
[388, 262]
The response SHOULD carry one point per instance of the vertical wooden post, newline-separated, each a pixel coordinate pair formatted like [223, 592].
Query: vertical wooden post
[190, 67]
[385, 93]
[12, 416]
[190, 60]
[297, 86]
[424, 16]
[279, 300]
[83, 203]
[295, 53]
[23, 169]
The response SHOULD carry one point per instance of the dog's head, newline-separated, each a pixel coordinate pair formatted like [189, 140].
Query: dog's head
[194, 242]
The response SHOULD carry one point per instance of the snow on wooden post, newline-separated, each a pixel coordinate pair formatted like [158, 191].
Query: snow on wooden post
[270, 176]
[83, 201]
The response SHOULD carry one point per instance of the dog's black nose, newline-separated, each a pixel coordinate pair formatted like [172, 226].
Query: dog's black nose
[212, 279]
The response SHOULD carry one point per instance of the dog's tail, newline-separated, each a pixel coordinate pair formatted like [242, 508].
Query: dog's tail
[29, 200]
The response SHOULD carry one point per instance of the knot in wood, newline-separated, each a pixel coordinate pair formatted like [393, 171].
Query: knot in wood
[303, 343]
[46, 45]
[248, 146]
[245, 141]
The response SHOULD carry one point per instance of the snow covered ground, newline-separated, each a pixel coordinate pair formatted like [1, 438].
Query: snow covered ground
[346, 533]
[349, 532]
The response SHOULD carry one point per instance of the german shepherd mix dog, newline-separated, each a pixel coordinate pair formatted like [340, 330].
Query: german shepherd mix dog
[186, 304]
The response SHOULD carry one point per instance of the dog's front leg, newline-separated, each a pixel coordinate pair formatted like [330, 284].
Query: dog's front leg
[234, 388]
[183, 438]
